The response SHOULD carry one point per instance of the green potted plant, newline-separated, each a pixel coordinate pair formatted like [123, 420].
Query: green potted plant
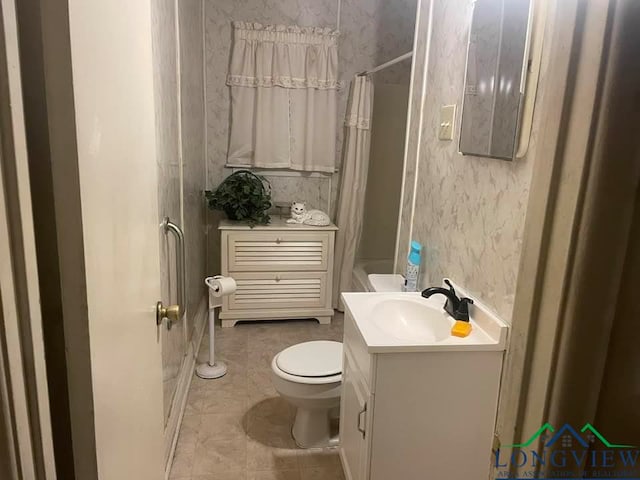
[242, 196]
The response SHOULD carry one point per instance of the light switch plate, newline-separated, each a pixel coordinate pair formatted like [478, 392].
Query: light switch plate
[447, 120]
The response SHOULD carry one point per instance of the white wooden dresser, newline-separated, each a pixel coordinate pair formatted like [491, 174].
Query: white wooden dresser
[282, 271]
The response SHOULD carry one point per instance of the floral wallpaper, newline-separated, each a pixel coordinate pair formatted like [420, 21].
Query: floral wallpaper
[469, 211]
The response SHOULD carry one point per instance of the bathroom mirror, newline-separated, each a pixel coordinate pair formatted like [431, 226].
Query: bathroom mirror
[495, 78]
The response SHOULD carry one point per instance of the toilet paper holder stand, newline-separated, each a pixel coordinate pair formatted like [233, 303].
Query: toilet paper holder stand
[211, 369]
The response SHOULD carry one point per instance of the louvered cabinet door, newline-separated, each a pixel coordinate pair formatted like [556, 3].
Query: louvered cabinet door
[279, 290]
[278, 251]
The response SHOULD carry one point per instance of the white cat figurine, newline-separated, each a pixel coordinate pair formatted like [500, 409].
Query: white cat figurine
[300, 214]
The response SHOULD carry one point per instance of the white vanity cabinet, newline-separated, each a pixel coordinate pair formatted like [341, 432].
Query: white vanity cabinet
[416, 412]
[281, 270]
[355, 404]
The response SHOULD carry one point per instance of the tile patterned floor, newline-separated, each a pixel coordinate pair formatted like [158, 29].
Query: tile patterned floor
[237, 427]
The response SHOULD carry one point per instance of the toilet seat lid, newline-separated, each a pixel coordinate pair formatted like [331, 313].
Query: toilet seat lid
[321, 358]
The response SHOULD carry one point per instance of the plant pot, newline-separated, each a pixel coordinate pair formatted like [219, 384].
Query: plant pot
[245, 192]
[231, 214]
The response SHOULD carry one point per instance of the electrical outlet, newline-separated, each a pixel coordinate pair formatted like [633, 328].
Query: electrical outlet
[447, 121]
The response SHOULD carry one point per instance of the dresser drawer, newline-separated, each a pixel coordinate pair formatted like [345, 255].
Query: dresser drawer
[277, 251]
[279, 290]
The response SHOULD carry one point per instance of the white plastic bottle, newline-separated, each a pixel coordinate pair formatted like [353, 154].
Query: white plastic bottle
[412, 272]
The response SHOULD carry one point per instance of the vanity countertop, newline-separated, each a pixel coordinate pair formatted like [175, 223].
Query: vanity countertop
[407, 322]
[277, 223]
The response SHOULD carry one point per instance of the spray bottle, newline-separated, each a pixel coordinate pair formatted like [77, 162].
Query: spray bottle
[413, 268]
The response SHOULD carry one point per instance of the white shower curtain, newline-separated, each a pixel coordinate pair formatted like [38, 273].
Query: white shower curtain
[353, 183]
[284, 82]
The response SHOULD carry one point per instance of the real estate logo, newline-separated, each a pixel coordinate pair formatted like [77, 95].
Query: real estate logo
[569, 454]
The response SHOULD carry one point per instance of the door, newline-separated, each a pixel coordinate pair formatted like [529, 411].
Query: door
[112, 74]
[353, 423]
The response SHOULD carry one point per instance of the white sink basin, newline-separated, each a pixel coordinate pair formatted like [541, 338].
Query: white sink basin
[406, 322]
[410, 320]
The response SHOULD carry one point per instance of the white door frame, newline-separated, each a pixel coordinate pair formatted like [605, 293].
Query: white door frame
[560, 216]
[24, 389]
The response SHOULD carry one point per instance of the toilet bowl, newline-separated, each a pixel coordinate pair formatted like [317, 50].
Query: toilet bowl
[308, 375]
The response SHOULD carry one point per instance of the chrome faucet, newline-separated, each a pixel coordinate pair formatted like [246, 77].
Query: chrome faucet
[457, 307]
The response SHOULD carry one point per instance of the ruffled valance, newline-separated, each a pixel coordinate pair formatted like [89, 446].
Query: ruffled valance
[284, 56]
[313, 34]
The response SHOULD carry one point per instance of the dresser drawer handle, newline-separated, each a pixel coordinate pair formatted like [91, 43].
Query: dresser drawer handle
[278, 240]
[277, 278]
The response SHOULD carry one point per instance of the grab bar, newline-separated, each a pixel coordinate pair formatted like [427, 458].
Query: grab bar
[169, 226]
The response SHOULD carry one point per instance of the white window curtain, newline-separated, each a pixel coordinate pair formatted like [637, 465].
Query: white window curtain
[284, 82]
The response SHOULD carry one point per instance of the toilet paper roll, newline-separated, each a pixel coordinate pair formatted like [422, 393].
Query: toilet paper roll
[221, 286]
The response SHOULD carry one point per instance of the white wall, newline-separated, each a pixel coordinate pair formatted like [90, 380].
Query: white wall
[178, 47]
[193, 144]
[168, 158]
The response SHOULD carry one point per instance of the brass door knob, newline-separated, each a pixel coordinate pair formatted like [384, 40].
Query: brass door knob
[171, 313]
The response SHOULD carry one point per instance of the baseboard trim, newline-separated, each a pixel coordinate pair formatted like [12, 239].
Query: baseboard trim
[172, 431]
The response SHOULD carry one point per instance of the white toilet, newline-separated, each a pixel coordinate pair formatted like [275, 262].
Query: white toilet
[308, 375]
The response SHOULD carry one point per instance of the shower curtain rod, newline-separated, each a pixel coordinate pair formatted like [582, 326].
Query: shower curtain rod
[387, 64]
